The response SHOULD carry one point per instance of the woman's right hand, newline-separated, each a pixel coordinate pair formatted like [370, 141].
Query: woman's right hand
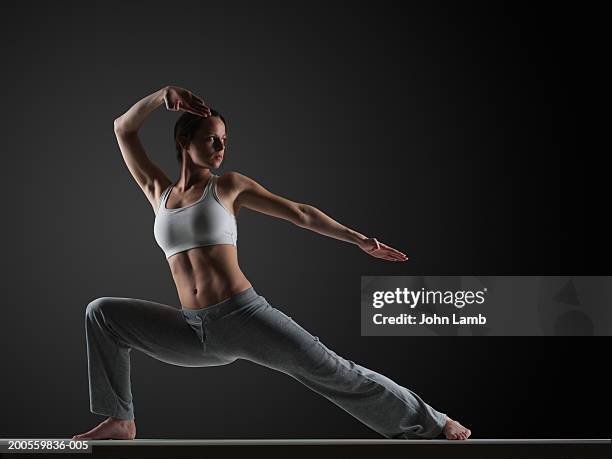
[177, 99]
[372, 247]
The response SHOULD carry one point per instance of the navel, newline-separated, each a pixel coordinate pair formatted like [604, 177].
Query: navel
[195, 290]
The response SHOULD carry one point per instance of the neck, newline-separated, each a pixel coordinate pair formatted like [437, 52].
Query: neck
[192, 176]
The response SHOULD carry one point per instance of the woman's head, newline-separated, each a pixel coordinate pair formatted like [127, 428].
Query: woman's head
[203, 138]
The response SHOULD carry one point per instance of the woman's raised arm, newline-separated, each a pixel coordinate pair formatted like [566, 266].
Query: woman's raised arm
[150, 178]
[173, 97]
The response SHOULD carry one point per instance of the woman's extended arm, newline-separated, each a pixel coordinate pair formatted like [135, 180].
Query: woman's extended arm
[321, 223]
[316, 220]
[175, 99]
[252, 195]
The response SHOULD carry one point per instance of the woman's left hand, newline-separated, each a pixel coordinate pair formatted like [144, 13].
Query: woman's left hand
[379, 250]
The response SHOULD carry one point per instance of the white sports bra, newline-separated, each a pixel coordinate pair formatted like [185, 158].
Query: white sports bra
[205, 222]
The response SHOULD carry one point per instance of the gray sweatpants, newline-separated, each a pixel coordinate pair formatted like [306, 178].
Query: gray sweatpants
[244, 326]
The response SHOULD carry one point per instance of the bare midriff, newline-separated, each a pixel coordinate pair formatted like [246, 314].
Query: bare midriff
[207, 275]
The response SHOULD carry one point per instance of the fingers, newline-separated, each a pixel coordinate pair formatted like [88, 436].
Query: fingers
[203, 110]
[193, 104]
[397, 258]
[198, 109]
[387, 255]
[179, 99]
[391, 257]
[194, 97]
[199, 100]
[199, 105]
[393, 254]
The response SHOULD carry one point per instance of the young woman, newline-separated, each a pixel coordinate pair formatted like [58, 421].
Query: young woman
[222, 318]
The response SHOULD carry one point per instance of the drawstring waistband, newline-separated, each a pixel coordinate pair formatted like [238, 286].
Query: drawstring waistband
[224, 307]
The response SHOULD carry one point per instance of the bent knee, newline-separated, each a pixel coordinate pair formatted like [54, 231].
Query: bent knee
[97, 305]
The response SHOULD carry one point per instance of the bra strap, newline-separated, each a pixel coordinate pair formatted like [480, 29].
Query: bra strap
[164, 196]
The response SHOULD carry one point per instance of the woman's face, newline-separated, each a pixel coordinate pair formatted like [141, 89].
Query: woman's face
[207, 148]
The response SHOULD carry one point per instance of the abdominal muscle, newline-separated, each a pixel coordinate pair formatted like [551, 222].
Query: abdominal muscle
[207, 275]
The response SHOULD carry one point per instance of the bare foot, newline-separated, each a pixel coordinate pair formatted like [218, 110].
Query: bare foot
[455, 431]
[110, 429]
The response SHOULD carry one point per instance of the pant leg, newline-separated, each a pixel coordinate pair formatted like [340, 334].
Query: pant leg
[265, 335]
[114, 326]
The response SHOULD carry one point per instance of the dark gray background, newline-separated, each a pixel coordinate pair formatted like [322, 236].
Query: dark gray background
[447, 132]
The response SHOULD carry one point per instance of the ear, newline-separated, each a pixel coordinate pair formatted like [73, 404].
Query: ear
[183, 142]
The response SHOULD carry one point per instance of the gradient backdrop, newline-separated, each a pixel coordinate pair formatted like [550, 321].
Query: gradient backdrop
[448, 132]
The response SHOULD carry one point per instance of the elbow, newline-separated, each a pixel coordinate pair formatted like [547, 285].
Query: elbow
[303, 216]
[117, 125]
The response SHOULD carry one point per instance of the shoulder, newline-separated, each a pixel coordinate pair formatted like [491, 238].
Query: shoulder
[230, 177]
[235, 181]
[232, 186]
